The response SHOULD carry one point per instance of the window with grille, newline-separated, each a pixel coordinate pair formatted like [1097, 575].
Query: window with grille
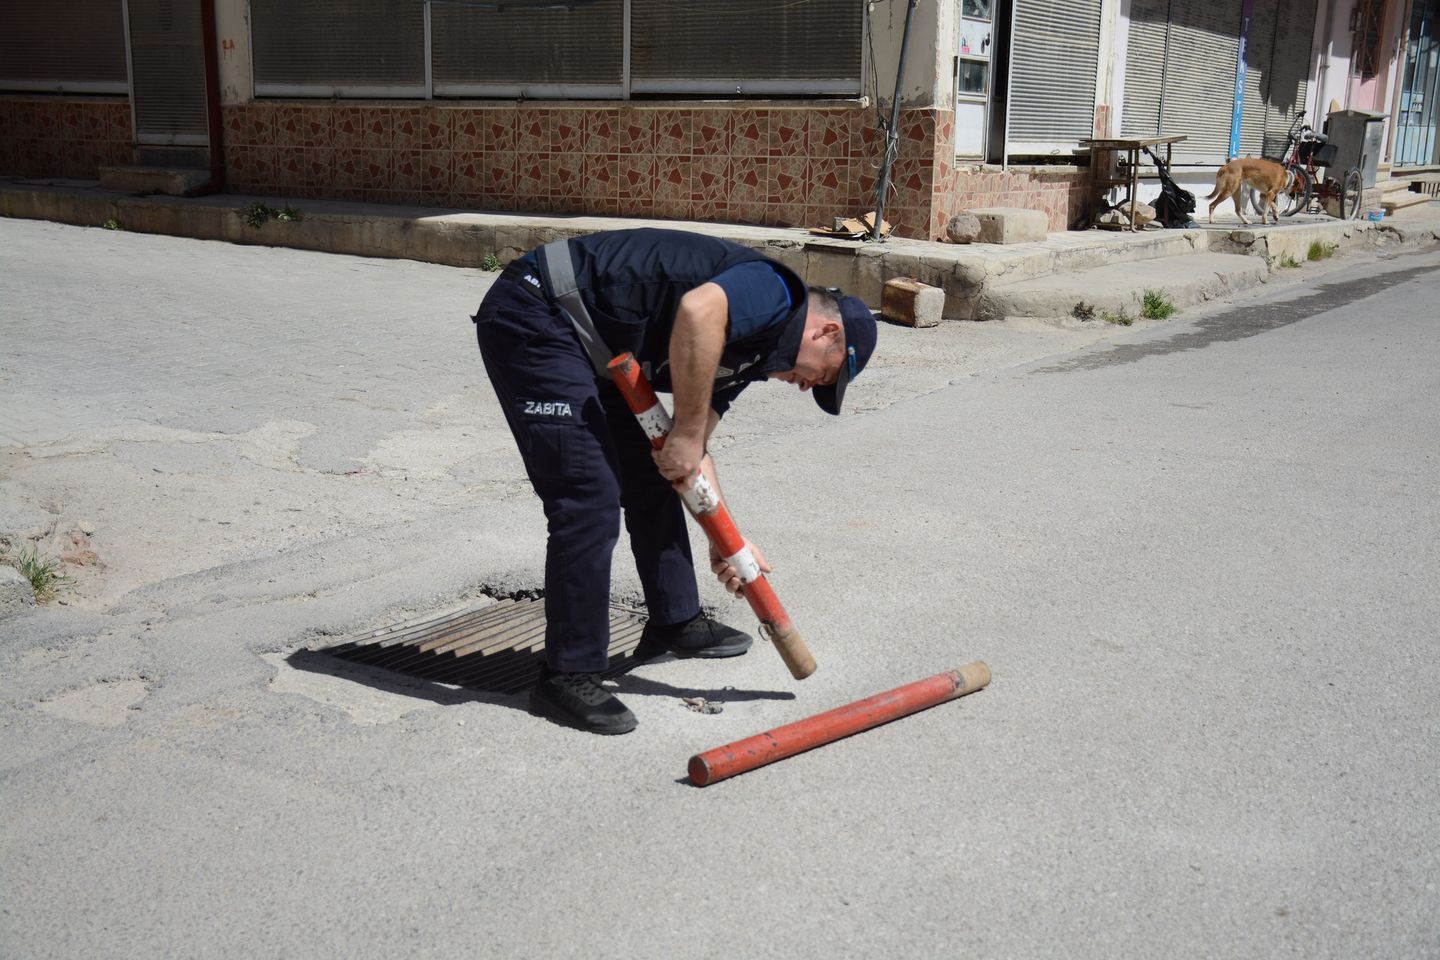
[746, 46]
[356, 48]
[63, 46]
[562, 49]
[575, 52]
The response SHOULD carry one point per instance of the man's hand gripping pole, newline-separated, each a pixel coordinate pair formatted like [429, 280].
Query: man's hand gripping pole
[704, 504]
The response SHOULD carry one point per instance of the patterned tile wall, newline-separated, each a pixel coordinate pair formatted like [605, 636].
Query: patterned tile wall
[777, 166]
[54, 137]
[749, 165]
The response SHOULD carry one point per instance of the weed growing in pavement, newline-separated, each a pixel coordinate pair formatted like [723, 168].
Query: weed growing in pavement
[1083, 310]
[257, 213]
[1154, 305]
[1121, 319]
[45, 576]
[111, 224]
[491, 263]
[1288, 261]
[1319, 250]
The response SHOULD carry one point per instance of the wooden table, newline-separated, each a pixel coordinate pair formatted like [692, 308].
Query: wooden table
[1101, 152]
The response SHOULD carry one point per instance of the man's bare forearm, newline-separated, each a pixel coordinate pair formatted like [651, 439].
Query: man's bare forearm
[696, 343]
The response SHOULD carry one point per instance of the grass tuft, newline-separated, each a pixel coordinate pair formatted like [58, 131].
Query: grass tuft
[1288, 261]
[1121, 319]
[1319, 250]
[491, 263]
[45, 576]
[258, 213]
[1154, 305]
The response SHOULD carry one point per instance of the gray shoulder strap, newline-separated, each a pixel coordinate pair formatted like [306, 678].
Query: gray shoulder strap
[560, 272]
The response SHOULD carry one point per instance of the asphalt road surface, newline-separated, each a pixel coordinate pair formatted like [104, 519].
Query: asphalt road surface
[1200, 558]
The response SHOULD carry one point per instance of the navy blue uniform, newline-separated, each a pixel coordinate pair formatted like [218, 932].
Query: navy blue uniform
[584, 452]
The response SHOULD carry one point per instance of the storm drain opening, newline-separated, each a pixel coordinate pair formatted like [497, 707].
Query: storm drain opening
[496, 646]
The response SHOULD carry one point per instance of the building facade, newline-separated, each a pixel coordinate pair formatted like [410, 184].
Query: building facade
[748, 111]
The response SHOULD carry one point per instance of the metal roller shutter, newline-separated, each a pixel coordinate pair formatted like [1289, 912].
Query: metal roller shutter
[548, 52]
[1052, 75]
[63, 46]
[342, 48]
[1195, 94]
[1145, 62]
[167, 65]
[1277, 60]
[746, 46]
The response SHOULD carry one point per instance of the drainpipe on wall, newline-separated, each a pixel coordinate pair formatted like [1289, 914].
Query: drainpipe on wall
[892, 135]
[1322, 77]
[208, 39]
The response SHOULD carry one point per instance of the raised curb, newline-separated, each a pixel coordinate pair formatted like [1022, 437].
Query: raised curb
[1119, 287]
[968, 273]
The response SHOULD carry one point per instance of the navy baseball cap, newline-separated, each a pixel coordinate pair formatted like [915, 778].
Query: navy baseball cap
[859, 344]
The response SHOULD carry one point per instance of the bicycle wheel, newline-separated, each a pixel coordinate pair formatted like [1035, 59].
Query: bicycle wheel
[1352, 194]
[1298, 199]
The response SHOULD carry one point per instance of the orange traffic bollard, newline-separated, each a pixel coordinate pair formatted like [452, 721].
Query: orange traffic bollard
[743, 755]
[714, 518]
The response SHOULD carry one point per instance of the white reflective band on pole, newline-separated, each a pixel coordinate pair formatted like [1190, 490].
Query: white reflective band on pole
[744, 564]
[655, 421]
[700, 496]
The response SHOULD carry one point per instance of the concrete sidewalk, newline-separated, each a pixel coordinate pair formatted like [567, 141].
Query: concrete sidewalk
[981, 281]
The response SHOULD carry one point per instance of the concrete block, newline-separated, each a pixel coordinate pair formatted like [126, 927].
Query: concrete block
[912, 303]
[171, 181]
[1010, 224]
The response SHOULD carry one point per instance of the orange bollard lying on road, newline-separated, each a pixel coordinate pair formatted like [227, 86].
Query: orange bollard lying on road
[705, 506]
[743, 755]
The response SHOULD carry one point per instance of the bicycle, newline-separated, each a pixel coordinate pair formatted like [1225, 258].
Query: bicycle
[1306, 152]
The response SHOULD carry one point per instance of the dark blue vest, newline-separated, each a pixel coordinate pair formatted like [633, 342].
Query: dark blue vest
[632, 280]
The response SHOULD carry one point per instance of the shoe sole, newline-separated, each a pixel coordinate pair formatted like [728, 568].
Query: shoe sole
[554, 714]
[714, 653]
[708, 653]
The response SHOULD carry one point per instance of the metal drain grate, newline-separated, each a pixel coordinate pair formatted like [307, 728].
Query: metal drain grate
[497, 647]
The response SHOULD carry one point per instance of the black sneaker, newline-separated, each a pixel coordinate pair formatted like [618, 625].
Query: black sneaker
[698, 637]
[578, 700]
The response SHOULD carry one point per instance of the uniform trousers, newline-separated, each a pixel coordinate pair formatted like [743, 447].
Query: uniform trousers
[588, 460]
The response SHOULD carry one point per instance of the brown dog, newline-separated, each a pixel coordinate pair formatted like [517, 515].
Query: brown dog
[1267, 177]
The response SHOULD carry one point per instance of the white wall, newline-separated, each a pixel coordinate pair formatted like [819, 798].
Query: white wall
[927, 77]
[1333, 46]
[232, 32]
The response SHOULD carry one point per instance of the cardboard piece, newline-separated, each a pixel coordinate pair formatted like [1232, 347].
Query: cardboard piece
[852, 228]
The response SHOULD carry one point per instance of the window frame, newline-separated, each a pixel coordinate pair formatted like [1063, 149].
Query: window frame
[624, 89]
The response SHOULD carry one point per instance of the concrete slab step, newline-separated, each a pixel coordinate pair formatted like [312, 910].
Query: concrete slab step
[1118, 287]
[170, 181]
[1089, 249]
[1399, 200]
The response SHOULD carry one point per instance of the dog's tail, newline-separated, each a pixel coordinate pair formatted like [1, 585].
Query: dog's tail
[1219, 179]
